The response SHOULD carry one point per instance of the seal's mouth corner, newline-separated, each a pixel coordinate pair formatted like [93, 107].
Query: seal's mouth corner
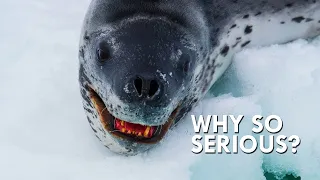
[129, 131]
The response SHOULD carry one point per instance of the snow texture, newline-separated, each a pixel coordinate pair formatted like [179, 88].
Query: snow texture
[44, 133]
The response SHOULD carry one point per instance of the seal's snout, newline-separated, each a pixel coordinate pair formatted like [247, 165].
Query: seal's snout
[146, 88]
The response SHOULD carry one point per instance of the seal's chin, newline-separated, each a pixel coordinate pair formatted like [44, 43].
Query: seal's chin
[129, 131]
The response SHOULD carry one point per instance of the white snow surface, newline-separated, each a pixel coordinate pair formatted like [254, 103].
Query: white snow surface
[44, 133]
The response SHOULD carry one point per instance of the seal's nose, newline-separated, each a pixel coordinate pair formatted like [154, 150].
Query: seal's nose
[146, 88]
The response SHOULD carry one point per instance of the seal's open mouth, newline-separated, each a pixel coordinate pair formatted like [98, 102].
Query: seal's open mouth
[129, 131]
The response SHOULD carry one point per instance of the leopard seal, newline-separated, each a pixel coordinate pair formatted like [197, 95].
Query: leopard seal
[144, 64]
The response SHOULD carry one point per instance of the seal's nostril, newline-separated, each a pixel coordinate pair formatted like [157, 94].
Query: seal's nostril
[138, 85]
[146, 88]
[154, 86]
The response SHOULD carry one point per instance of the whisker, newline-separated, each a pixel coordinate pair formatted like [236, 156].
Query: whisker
[103, 109]
[116, 130]
[158, 129]
[114, 123]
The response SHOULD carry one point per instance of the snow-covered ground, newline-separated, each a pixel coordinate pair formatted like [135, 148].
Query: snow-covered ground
[44, 133]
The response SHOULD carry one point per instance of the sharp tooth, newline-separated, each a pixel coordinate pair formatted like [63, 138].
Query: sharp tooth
[129, 132]
[123, 130]
[133, 132]
[122, 123]
[139, 134]
[146, 132]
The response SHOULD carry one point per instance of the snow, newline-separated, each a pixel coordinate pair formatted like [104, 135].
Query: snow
[44, 133]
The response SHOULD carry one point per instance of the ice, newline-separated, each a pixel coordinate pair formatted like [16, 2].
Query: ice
[282, 80]
[44, 133]
[290, 88]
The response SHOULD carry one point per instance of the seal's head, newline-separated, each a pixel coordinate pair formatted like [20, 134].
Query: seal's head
[137, 77]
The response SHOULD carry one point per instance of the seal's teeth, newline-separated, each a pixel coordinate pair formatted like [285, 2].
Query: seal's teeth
[134, 129]
[146, 132]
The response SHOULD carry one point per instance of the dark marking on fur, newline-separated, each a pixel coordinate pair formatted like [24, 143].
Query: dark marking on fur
[89, 120]
[224, 51]
[309, 19]
[233, 46]
[246, 43]
[282, 22]
[298, 19]
[81, 53]
[238, 38]
[89, 110]
[248, 29]
[93, 129]
[86, 98]
[195, 100]
[246, 16]
[258, 13]
[212, 73]
[97, 137]
[289, 5]
[233, 26]
[86, 36]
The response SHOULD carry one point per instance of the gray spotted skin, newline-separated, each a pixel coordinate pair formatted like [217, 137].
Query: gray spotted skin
[220, 28]
[260, 23]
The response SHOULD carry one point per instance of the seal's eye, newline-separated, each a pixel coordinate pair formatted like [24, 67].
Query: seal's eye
[103, 55]
[186, 66]
[103, 52]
